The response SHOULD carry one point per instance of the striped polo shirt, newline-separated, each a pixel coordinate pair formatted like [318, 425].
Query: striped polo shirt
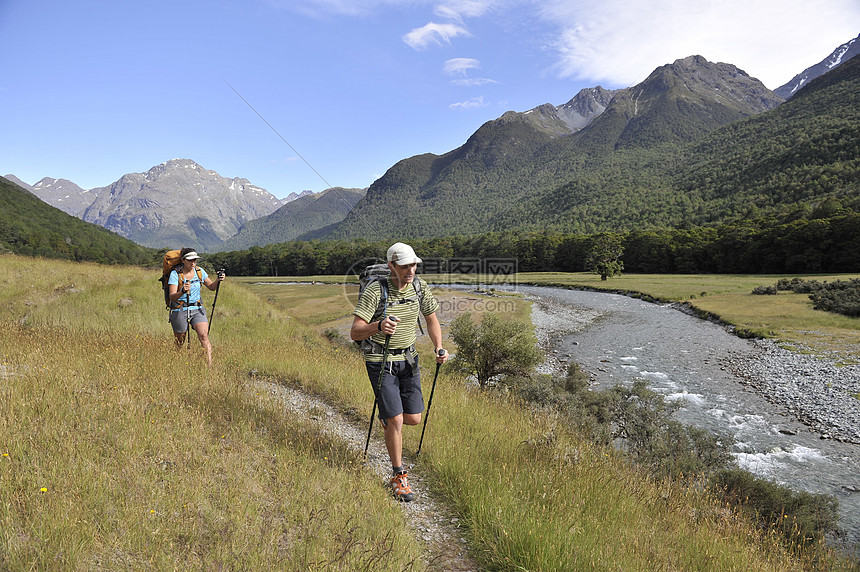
[403, 304]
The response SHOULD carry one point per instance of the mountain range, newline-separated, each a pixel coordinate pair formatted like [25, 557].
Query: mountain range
[841, 54]
[654, 155]
[592, 145]
[304, 214]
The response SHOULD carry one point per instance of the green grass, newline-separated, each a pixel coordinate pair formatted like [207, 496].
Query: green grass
[118, 452]
[787, 316]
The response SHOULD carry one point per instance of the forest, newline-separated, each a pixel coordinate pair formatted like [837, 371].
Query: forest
[826, 241]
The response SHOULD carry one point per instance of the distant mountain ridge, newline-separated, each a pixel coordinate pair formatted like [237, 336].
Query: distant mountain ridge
[178, 203]
[306, 213]
[840, 55]
[181, 203]
[60, 193]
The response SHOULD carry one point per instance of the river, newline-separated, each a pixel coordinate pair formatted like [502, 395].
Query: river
[619, 339]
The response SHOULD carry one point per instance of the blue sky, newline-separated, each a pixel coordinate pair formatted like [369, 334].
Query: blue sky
[91, 90]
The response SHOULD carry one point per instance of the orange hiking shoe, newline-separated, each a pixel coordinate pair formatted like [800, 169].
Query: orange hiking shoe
[400, 486]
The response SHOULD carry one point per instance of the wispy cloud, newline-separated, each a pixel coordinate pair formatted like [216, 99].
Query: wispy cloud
[459, 66]
[621, 42]
[433, 33]
[474, 103]
[454, 12]
[473, 82]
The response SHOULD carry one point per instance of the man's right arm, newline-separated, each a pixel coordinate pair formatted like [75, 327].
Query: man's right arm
[361, 329]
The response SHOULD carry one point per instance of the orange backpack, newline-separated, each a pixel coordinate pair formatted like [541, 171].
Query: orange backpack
[171, 261]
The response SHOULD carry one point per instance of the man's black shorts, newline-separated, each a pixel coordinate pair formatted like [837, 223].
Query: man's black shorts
[401, 387]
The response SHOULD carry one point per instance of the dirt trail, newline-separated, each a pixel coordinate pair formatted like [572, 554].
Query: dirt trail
[429, 519]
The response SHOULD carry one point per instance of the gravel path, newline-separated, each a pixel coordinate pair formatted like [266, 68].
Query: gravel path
[429, 519]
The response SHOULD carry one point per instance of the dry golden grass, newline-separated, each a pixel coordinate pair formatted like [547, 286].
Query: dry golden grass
[118, 452]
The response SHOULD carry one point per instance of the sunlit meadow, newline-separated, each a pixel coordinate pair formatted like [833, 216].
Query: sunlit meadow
[120, 452]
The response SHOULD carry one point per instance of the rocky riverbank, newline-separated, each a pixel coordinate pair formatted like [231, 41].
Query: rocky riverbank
[817, 391]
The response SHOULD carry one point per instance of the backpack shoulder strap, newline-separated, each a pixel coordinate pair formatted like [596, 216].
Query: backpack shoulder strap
[382, 308]
[416, 284]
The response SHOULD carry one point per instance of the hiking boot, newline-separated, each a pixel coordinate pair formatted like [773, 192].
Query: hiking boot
[400, 486]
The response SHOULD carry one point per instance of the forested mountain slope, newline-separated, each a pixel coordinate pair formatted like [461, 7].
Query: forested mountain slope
[304, 214]
[516, 171]
[32, 227]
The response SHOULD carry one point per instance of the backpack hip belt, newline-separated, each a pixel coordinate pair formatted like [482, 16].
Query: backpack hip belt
[371, 347]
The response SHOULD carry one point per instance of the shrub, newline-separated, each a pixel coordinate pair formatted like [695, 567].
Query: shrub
[839, 297]
[493, 348]
[800, 517]
[643, 419]
[765, 290]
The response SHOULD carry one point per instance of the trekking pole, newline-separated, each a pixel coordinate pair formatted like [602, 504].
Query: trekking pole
[376, 393]
[429, 403]
[215, 301]
[188, 323]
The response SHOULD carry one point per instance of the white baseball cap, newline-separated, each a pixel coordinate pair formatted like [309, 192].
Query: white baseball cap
[402, 254]
[191, 256]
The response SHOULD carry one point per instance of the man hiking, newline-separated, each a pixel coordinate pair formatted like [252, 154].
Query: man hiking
[399, 388]
[186, 307]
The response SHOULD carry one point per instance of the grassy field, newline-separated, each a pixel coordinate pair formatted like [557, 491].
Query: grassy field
[119, 452]
[787, 317]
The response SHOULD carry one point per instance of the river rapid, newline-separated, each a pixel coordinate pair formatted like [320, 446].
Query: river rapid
[755, 392]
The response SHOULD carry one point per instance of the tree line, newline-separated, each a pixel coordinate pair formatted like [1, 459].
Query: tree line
[764, 246]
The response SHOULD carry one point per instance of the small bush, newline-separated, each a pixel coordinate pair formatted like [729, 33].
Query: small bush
[643, 419]
[765, 290]
[840, 297]
[800, 517]
[494, 348]
[335, 337]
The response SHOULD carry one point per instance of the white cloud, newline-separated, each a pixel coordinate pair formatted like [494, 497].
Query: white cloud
[433, 33]
[473, 82]
[622, 41]
[459, 66]
[473, 103]
[458, 9]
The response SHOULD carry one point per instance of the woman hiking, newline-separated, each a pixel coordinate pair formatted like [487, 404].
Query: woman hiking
[186, 307]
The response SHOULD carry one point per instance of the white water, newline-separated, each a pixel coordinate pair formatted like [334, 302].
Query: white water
[623, 339]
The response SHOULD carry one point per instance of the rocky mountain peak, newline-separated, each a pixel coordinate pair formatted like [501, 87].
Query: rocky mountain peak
[585, 106]
[837, 57]
[179, 203]
[60, 193]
